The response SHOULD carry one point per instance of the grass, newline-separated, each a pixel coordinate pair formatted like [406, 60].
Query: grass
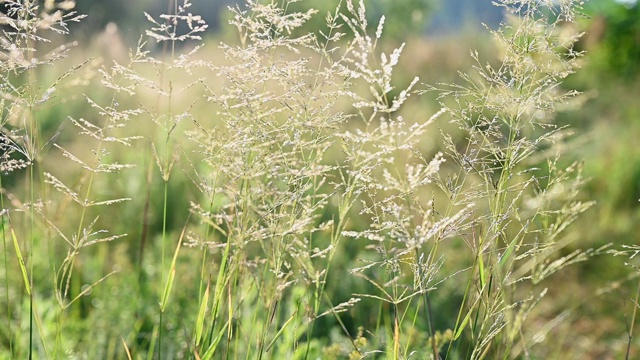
[274, 198]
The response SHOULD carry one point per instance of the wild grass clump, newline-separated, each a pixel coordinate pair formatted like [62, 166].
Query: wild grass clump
[285, 152]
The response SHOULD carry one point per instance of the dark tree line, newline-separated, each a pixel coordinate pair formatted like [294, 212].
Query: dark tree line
[129, 14]
[403, 17]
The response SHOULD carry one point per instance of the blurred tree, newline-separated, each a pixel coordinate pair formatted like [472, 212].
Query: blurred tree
[615, 37]
[129, 15]
[460, 15]
[126, 14]
[402, 17]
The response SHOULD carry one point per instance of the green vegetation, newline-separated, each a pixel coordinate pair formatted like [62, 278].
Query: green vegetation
[297, 193]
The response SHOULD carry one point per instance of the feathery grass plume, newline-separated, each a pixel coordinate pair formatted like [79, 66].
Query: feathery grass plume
[392, 177]
[506, 113]
[268, 181]
[171, 114]
[28, 27]
[265, 183]
[154, 81]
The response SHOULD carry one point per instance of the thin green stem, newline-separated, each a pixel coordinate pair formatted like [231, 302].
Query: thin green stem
[173, 9]
[30, 252]
[3, 223]
[633, 322]
[162, 245]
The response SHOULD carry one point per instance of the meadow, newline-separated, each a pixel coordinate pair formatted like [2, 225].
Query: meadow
[301, 187]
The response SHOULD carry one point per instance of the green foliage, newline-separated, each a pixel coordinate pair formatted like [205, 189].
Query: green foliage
[403, 17]
[617, 27]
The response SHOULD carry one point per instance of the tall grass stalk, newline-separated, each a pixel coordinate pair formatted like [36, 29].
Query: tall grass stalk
[630, 252]
[507, 115]
[166, 31]
[633, 321]
[4, 224]
[22, 40]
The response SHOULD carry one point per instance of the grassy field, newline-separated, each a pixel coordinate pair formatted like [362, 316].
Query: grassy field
[288, 192]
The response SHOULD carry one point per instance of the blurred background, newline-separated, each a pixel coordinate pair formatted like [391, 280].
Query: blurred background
[439, 35]
[405, 17]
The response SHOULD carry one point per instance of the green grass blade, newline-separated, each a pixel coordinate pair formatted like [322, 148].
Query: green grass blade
[126, 348]
[201, 314]
[281, 330]
[507, 254]
[214, 345]
[463, 325]
[41, 328]
[23, 267]
[167, 289]
[217, 296]
[152, 343]
[483, 280]
[172, 273]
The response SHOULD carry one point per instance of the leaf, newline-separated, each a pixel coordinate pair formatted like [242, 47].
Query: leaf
[212, 348]
[462, 326]
[483, 280]
[172, 273]
[507, 254]
[126, 348]
[87, 290]
[201, 314]
[281, 330]
[23, 268]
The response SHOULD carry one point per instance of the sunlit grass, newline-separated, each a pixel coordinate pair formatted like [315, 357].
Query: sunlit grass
[288, 195]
